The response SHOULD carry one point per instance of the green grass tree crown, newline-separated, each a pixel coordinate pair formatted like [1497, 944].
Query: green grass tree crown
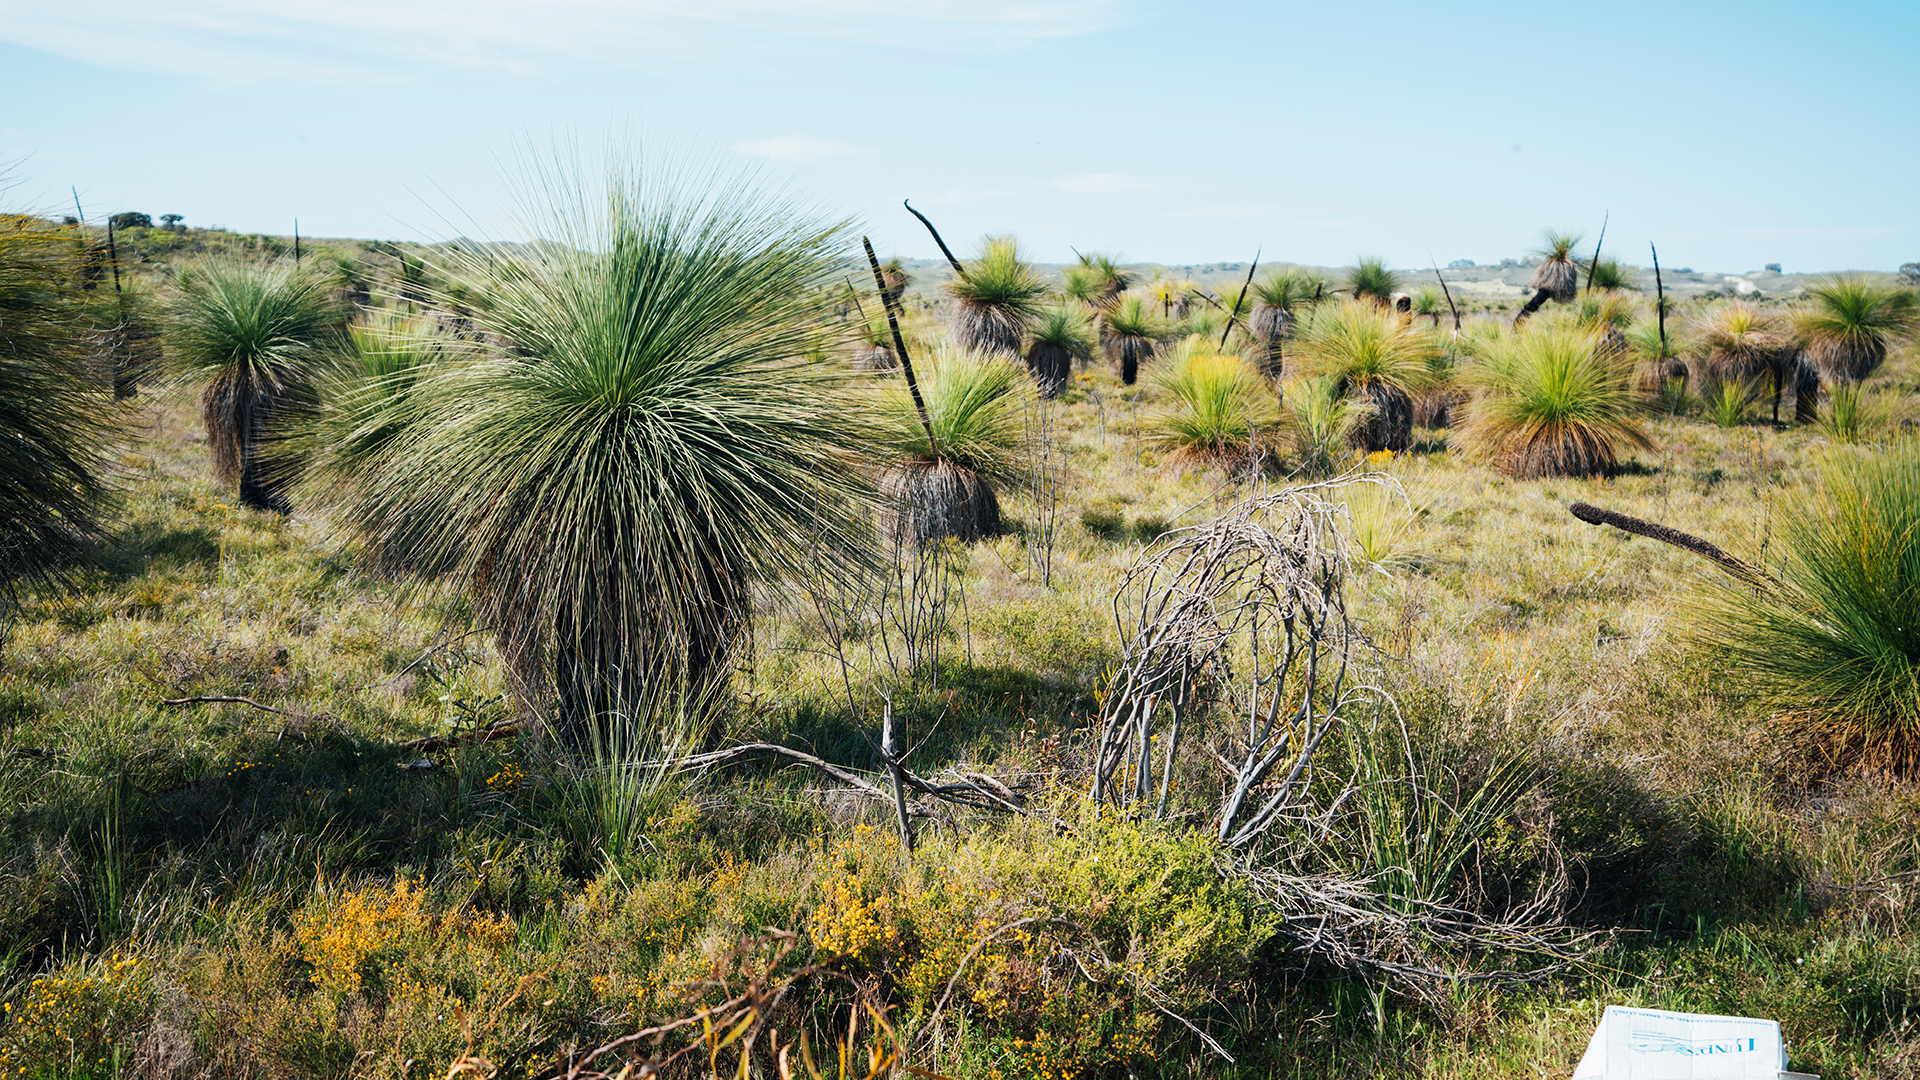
[1062, 337]
[995, 296]
[1558, 274]
[1849, 322]
[1219, 409]
[1552, 402]
[648, 444]
[973, 405]
[1359, 345]
[1371, 280]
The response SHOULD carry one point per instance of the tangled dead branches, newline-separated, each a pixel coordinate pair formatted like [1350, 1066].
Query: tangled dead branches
[1238, 640]
[1246, 613]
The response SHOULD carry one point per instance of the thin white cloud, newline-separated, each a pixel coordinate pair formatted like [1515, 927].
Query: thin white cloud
[1223, 213]
[1106, 183]
[798, 149]
[325, 40]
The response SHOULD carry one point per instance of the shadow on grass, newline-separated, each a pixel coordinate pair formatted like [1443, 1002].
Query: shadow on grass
[979, 714]
[149, 545]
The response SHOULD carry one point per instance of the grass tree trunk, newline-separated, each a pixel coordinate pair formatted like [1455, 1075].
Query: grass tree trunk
[1390, 427]
[1806, 391]
[1050, 365]
[1271, 327]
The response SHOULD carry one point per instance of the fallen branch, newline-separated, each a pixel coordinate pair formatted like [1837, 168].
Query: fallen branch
[965, 793]
[1593, 515]
[221, 699]
[441, 742]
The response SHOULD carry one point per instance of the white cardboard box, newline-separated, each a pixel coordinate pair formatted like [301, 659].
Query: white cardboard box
[1649, 1044]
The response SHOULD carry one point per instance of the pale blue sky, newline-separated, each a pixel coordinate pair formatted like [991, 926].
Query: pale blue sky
[1732, 134]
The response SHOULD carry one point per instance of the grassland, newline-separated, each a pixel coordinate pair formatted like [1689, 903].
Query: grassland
[282, 886]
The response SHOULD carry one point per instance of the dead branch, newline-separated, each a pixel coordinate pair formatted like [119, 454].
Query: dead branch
[963, 793]
[441, 742]
[1269, 573]
[955, 263]
[1237, 304]
[1594, 515]
[221, 699]
[900, 344]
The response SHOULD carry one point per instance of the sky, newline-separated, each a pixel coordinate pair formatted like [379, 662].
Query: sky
[1732, 135]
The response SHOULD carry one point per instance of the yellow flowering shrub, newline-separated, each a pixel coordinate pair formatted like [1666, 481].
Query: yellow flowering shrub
[67, 1022]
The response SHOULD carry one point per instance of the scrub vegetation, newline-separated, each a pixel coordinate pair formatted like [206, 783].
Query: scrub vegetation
[613, 663]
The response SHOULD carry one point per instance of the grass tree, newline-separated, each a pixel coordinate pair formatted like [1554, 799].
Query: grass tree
[1607, 314]
[1610, 276]
[1557, 278]
[1739, 343]
[1848, 323]
[974, 410]
[1060, 338]
[1172, 294]
[1832, 647]
[1277, 298]
[647, 445]
[894, 274]
[57, 417]
[367, 402]
[1552, 402]
[1659, 368]
[1372, 355]
[1105, 278]
[257, 335]
[1128, 336]
[995, 296]
[1320, 422]
[1218, 411]
[1428, 304]
[1370, 280]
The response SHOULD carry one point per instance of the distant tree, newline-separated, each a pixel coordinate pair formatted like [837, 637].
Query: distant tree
[1371, 280]
[130, 219]
[257, 335]
[1909, 274]
[171, 222]
[1773, 268]
[1557, 277]
[1460, 264]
